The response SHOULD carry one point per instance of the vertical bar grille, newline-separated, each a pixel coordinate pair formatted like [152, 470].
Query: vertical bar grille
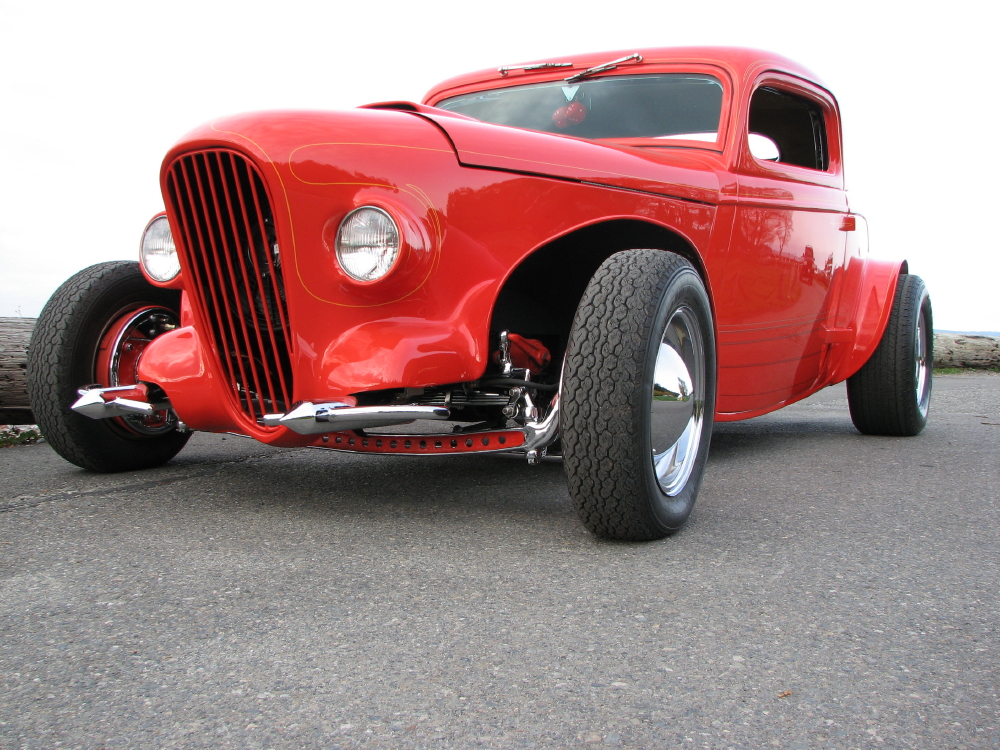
[228, 238]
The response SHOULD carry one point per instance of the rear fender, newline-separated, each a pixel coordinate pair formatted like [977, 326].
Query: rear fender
[871, 313]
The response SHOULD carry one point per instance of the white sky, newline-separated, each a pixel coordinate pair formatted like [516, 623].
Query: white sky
[93, 94]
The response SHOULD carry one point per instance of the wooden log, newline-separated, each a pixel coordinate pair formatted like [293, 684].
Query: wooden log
[15, 333]
[966, 350]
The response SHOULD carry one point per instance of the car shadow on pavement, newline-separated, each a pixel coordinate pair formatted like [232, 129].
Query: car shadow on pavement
[235, 476]
[327, 482]
[746, 440]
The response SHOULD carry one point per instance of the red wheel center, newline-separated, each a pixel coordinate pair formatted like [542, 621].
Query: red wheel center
[121, 349]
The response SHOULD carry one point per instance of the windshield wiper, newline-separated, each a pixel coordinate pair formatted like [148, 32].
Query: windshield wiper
[604, 68]
[534, 66]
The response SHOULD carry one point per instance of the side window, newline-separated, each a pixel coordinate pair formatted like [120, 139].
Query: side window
[795, 124]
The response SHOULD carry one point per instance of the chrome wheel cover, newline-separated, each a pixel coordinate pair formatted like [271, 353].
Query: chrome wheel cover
[923, 364]
[677, 406]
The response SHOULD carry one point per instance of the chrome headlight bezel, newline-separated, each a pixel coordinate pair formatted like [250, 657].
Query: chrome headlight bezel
[157, 251]
[368, 259]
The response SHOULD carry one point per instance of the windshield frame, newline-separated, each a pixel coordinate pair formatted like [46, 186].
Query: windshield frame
[548, 76]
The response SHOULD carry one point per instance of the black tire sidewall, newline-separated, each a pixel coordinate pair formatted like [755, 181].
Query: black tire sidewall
[685, 289]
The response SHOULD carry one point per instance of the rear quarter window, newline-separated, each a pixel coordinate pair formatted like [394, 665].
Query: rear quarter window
[795, 124]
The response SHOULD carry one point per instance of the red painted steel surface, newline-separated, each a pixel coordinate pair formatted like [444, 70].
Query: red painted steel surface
[798, 305]
[422, 445]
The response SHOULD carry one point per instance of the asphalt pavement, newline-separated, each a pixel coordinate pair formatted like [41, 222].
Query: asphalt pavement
[831, 590]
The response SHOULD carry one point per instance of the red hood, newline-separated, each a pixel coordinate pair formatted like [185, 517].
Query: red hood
[281, 138]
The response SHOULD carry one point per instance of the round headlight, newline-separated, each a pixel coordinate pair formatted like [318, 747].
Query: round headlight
[367, 243]
[158, 254]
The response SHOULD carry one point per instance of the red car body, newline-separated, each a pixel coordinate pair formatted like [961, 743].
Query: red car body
[797, 303]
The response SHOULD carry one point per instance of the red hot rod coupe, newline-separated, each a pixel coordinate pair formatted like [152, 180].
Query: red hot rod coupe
[595, 257]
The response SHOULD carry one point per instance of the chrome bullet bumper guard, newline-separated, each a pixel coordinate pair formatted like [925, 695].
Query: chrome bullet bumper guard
[92, 403]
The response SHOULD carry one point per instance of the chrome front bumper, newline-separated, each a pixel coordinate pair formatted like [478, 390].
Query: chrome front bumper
[316, 419]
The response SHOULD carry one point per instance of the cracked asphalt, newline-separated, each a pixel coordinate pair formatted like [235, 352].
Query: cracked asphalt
[831, 590]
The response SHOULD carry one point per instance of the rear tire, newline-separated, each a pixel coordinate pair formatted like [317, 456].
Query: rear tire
[638, 395]
[891, 393]
[64, 355]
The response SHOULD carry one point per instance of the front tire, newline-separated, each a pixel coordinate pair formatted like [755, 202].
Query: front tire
[638, 395]
[891, 393]
[90, 332]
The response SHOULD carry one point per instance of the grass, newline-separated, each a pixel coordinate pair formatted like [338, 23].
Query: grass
[19, 435]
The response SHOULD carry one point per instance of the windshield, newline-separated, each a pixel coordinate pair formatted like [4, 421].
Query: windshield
[664, 106]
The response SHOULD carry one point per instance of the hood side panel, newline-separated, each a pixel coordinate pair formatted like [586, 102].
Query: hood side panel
[480, 144]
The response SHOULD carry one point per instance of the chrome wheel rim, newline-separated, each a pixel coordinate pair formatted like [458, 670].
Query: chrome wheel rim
[923, 364]
[677, 406]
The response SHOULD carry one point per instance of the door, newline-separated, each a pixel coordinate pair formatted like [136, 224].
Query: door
[786, 252]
